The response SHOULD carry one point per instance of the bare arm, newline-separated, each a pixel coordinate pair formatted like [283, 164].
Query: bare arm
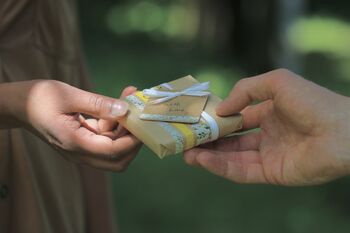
[52, 110]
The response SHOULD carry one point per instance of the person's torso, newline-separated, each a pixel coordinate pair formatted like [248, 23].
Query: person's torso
[39, 190]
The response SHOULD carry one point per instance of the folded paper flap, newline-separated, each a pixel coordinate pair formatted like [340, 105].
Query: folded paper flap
[164, 151]
[183, 108]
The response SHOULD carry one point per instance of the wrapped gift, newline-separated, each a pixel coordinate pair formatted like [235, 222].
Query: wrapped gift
[176, 116]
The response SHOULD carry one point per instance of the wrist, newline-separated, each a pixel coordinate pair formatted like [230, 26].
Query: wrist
[343, 134]
[13, 104]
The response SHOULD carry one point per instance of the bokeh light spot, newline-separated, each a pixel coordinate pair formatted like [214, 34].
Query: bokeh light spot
[320, 34]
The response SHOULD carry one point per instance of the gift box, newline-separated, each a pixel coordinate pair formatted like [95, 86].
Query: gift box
[176, 116]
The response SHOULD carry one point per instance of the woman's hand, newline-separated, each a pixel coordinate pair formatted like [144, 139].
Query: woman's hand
[58, 113]
[304, 137]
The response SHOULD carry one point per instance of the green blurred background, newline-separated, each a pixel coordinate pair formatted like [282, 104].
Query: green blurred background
[146, 42]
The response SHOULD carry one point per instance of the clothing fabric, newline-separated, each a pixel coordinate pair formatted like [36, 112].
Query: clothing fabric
[39, 190]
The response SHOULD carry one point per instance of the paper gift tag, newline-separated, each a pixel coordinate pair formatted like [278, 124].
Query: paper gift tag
[183, 108]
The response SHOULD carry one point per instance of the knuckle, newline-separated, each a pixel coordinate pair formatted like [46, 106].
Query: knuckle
[42, 86]
[240, 85]
[70, 122]
[54, 83]
[247, 109]
[98, 104]
[50, 84]
[281, 75]
[283, 71]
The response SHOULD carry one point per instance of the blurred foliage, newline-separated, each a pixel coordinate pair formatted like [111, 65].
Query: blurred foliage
[144, 43]
[324, 35]
[159, 21]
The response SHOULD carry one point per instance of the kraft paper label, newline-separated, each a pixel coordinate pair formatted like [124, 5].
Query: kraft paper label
[183, 108]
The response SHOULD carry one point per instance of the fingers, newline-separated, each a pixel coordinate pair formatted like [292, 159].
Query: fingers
[244, 142]
[90, 124]
[86, 142]
[261, 87]
[253, 115]
[240, 167]
[128, 91]
[98, 151]
[97, 106]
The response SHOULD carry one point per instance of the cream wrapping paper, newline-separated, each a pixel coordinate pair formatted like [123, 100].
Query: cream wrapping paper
[167, 138]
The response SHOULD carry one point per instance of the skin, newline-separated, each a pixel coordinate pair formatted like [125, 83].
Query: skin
[57, 113]
[303, 138]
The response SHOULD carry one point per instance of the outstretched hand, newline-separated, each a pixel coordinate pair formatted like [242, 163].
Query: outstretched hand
[81, 125]
[303, 139]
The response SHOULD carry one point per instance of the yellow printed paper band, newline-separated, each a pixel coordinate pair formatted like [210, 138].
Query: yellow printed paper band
[187, 133]
[141, 96]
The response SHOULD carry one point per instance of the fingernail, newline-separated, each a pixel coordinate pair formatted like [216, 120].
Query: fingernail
[119, 108]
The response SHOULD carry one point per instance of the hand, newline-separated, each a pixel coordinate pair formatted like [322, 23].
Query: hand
[303, 139]
[53, 110]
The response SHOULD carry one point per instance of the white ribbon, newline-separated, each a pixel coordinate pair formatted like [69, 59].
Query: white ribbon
[198, 89]
[166, 85]
[214, 128]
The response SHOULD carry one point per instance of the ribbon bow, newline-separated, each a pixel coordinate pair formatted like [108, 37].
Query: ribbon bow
[198, 89]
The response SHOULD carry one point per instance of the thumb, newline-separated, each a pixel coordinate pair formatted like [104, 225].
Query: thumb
[98, 106]
[247, 90]
[106, 125]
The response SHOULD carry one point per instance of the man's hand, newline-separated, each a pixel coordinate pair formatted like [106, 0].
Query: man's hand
[304, 135]
[81, 125]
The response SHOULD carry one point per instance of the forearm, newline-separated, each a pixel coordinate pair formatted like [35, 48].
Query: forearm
[342, 134]
[12, 104]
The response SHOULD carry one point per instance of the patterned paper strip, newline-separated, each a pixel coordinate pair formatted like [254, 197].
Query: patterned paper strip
[176, 135]
[159, 117]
